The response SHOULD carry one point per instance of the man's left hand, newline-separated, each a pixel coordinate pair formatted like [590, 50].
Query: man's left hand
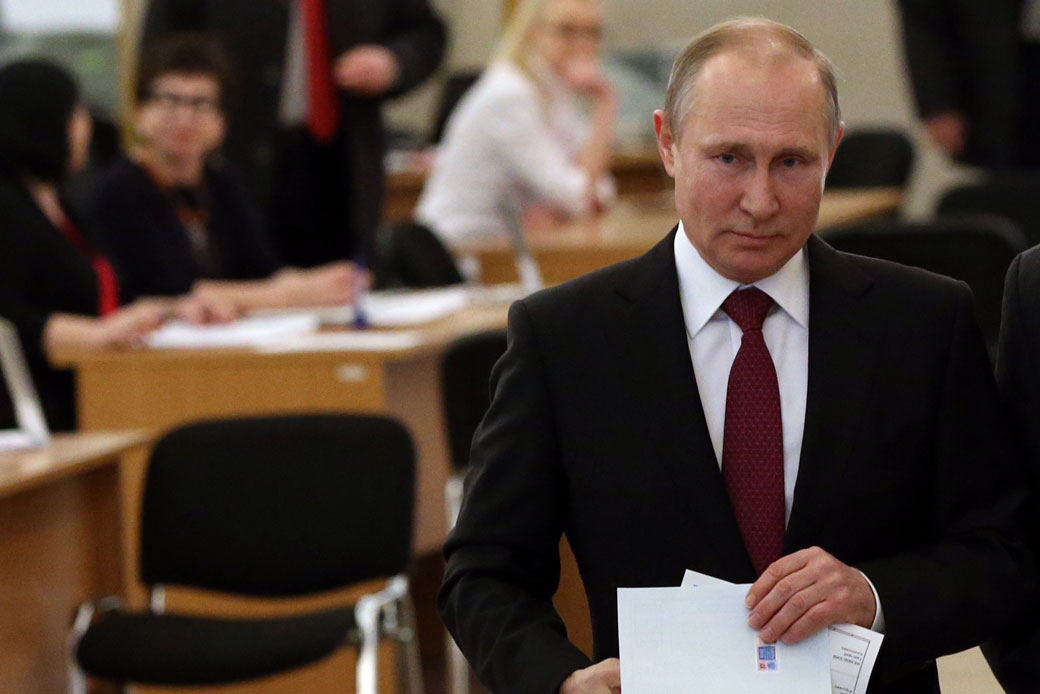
[805, 592]
[368, 69]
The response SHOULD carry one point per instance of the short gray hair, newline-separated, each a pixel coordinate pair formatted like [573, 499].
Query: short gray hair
[744, 32]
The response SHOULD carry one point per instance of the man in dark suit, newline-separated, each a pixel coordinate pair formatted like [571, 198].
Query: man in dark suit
[975, 70]
[311, 143]
[849, 403]
[1014, 656]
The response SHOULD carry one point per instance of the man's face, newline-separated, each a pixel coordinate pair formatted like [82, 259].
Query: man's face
[182, 118]
[750, 161]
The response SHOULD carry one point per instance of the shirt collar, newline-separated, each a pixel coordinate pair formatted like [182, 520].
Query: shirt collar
[702, 290]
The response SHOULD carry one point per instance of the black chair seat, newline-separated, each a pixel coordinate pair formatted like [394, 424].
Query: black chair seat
[186, 650]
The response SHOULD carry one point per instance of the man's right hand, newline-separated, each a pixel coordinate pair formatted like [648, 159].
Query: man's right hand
[601, 678]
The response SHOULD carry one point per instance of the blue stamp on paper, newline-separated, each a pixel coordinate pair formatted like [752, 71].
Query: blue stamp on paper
[767, 659]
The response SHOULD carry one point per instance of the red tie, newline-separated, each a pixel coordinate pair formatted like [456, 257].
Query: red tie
[753, 443]
[108, 285]
[322, 116]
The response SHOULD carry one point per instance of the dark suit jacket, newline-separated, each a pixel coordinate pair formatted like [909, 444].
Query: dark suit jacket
[41, 273]
[596, 429]
[1014, 656]
[965, 55]
[254, 32]
[137, 226]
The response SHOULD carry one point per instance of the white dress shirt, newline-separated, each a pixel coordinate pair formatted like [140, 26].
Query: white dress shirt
[714, 338]
[510, 142]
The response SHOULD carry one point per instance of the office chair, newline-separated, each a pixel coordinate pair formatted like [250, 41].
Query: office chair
[872, 158]
[1014, 196]
[975, 249]
[409, 254]
[454, 89]
[465, 384]
[264, 507]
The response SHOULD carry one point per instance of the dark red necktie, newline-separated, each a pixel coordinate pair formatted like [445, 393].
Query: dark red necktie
[753, 443]
[322, 112]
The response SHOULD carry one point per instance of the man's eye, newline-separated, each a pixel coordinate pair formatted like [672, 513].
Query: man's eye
[790, 162]
[727, 158]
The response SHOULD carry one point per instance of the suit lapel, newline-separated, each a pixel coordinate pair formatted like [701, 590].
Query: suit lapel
[653, 339]
[842, 349]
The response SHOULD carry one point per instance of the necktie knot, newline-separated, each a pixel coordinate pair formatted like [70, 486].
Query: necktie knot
[748, 307]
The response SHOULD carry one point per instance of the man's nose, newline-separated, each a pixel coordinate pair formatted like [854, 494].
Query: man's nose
[759, 199]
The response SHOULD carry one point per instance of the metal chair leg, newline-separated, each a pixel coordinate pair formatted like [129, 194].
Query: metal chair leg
[458, 667]
[367, 613]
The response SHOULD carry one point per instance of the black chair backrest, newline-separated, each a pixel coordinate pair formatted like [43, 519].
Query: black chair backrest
[278, 506]
[872, 158]
[1016, 197]
[454, 89]
[465, 382]
[409, 254]
[975, 249]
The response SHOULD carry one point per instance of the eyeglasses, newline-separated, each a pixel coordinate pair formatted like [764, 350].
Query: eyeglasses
[570, 31]
[196, 104]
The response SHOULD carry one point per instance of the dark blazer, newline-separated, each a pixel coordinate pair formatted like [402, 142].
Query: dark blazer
[41, 273]
[965, 55]
[596, 429]
[1014, 657]
[136, 224]
[254, 32]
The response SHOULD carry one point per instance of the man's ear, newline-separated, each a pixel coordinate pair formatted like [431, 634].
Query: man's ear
[837, 141]
[665, 141]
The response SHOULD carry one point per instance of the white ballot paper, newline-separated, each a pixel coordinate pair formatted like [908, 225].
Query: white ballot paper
[853, 649]
[683, 641]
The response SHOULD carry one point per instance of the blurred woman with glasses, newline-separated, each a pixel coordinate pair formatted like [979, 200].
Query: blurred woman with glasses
[532, 138]
[175, 219]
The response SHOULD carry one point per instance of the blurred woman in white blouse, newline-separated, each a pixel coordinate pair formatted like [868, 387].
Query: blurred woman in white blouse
[532, 138]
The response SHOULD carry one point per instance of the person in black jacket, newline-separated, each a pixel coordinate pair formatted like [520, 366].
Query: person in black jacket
[316, 166]
[1014, 657]
[975, 71]
[174, 219]
[830, 434]
[60, 293]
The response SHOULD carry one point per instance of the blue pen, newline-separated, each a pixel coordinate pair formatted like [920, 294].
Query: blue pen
[360, 294]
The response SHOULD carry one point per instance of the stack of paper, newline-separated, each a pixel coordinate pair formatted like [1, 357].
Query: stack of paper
[388, 309]
[684, 641]
[253, 331]
[853, 649]
[695, 640]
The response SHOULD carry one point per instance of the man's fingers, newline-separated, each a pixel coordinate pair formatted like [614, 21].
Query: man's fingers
[820, 616]
[778, 598]
[775, 573]
[793, 610]
[611, 673]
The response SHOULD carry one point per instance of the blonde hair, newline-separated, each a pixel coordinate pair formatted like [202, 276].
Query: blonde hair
[744, 32]
[515, 45]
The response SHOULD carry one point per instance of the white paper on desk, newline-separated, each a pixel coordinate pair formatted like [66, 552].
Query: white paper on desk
[682, 641]
[400, 309]
[393, 308]
[245, 332]
[853, 649]
[347, 341]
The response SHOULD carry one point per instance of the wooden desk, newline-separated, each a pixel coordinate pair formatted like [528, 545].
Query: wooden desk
[631, 228]
[59, 546]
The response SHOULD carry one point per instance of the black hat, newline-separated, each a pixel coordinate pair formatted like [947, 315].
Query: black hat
[37, 99]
